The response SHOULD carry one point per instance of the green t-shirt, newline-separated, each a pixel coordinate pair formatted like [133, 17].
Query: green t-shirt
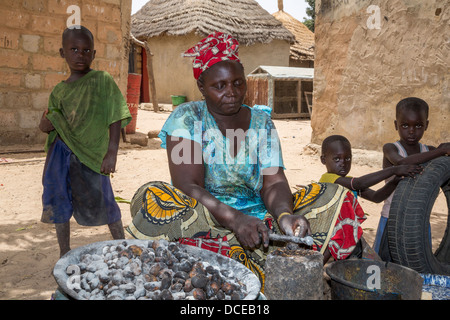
[82, 111]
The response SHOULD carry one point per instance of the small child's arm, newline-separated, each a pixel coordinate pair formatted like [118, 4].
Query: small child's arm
[110, 159]
[45, 125]
[371, 179]
[383, 193]
[364, 183]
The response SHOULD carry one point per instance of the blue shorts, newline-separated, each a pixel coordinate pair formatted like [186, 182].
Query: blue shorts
[381, 226]
[71, 188]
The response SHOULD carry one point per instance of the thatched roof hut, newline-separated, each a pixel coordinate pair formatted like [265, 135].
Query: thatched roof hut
[244, 19]
[170, 27]
[302, 51]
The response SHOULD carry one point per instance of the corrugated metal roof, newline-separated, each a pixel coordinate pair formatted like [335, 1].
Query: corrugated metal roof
[284, 72]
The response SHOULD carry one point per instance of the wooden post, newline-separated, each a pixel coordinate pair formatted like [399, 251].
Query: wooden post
[280, 5]
[151, 78]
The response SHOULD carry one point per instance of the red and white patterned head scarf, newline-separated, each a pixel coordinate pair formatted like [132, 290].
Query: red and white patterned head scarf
[214, 48]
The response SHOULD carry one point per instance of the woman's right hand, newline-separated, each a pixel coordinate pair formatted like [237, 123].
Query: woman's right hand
[250, 231]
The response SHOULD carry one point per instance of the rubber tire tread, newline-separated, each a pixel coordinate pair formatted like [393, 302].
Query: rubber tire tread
[409, 216]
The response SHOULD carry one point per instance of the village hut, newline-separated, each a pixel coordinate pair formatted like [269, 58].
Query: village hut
[170, 27]
[286, 90]
[302, 50]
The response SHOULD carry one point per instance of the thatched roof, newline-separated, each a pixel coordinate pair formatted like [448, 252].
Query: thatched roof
[303, 48]
[246, 20]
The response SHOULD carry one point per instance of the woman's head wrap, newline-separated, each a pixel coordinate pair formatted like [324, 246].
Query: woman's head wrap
[214, 48]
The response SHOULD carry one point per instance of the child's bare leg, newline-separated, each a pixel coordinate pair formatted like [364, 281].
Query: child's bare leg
[63, 236]
[326, 256]
[116, 229]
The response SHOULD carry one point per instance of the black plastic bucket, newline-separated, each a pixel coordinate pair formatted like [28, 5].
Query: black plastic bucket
[373, 280]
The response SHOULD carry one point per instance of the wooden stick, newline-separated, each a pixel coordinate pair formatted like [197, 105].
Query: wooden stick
[151, 78]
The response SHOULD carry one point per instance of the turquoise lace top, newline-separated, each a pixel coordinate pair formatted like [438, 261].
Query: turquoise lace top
[236, 181]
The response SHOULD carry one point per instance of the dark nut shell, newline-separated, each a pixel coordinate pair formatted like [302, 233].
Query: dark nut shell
[228, 288]
[188, 285]
[137, 251]
[199, 281]
[199, 294]
[166, 282]
[166, 295]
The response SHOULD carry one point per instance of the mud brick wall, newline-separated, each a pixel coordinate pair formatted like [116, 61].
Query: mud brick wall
[30, 64]
[370, 54]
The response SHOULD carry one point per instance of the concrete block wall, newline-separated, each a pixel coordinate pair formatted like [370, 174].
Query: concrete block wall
[30, 64]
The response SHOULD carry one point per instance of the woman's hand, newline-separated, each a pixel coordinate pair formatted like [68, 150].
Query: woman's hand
[294, 225]
[250, 231]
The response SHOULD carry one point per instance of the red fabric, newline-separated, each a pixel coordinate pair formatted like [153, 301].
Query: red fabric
[347, 230]
[214, 48]
[217, 245]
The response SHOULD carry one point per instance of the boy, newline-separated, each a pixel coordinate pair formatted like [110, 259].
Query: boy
[337, 157]
[411, 123]
[83, 121]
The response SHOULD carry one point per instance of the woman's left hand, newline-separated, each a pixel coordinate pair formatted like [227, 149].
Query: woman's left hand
[295, 225]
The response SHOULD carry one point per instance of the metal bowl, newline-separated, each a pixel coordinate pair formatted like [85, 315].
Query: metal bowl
[248, 278]
[373, 280]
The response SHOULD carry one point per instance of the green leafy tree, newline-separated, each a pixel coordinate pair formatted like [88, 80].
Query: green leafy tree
[310, 12]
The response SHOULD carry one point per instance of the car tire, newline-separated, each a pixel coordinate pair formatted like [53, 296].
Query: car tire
[408, 228]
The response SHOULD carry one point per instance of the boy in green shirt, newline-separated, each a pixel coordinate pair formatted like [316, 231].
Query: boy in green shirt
[83, 121]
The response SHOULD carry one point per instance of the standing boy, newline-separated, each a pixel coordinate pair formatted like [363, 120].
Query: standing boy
[83, 121]
[411, 123]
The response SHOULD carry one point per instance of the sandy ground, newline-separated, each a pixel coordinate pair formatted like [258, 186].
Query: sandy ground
[28, 248]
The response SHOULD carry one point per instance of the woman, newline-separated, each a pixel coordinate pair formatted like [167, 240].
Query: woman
[228, 186]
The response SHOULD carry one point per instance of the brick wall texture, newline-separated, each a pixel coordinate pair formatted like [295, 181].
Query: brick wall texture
[30, 64]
